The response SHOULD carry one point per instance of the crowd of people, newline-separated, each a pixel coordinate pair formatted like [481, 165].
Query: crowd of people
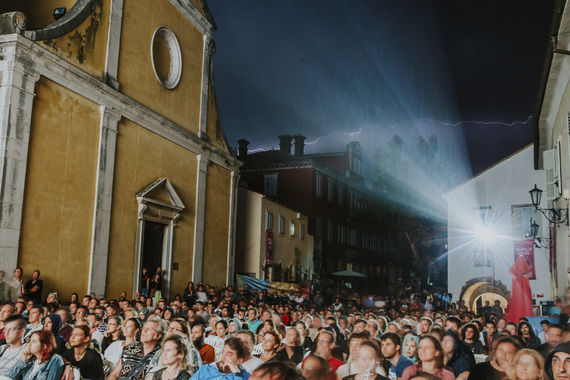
[206, 333]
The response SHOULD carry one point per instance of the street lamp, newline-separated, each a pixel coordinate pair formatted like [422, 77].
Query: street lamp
[553, 215]
[538, 242]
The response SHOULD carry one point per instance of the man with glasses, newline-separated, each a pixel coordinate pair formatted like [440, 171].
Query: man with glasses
[557, 365]
[324, 347]
[139, 357]
[11, 351]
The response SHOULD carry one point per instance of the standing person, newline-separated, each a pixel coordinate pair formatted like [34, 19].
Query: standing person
[34, 287]
[16, 285]
[81, 356]
[496, 369]
[520, 291]
[174, 359]
[430, 359]
[39, 360]
[527, 365]
[156, 285]
[145, 282]
[391, 345]
[5, 289]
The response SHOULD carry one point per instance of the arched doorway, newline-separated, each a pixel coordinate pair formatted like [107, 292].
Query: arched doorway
[478, 290]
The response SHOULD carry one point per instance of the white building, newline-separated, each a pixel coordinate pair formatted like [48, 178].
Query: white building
[488, 218]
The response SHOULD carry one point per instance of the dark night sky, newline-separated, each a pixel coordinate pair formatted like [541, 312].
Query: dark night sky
[364, 70]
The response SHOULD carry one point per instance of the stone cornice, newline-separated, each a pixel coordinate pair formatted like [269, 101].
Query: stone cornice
[54, 68]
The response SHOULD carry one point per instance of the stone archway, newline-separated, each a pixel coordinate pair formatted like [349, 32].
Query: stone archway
[483, 288]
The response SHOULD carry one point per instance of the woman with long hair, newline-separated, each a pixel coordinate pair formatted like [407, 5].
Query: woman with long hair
[173, 362]
[81, 356]
[131, 328]
[189, 294]
[39, 360]
[291, 349]
[180, 327]
[527, 365]
[234, 325]
[430, 359]
[114, 332]
[306, 341]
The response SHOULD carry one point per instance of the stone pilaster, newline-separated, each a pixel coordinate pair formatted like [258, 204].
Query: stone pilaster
[103, 200]
[17, 84]
[201, 180]
[114, 44]
[209, 50]
[232, 229]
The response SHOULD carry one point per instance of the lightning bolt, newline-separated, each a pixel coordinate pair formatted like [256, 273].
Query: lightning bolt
[483, 122]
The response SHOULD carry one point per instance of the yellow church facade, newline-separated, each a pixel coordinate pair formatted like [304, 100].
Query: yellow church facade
[112, 155]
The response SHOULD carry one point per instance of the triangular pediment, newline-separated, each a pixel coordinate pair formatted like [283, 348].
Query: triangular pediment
[161, 192]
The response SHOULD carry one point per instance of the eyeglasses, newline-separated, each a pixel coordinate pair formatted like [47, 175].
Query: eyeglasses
[172, 328]
[525, 364]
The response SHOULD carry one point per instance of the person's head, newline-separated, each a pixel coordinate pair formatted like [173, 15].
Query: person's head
[490, 328]
[557, 364]
[315, 367]
[235, 350]
[14, 329]
[506, 348]
[391, 345]
[248, 337]
[425, 325]
[410, 347]
[511, 327]
[325, 343]
[52, 298]
[131, 327]
[470, 332]
[359, 326]
[175, 351]
[453, 323]
[276, 371]
[527, 365]
[449, 342]
[36, 275]
[271, 341]
[52, 323]
[234, 325]
[153, 330]
[368, 356]
[554, 334]
[115, 324]
[197, 334]
[354, 342]
[373, 327]
[6, 311]
[18, 273]
[179, 326]
[221, 328]
[35, 315]
[42, 345]
[293, 337]
[80, 336]
[429, 350]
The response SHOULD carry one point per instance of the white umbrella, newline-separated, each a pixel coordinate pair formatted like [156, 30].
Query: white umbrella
[348, 273]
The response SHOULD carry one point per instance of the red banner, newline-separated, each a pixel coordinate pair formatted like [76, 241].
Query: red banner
[268, 248]
[525, 248]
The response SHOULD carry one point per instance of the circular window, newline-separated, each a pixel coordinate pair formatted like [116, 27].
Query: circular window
[166, 57]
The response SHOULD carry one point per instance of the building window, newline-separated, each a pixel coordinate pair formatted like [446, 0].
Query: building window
[343, 238]
[331, 190]
[291, 228]
[338, 233]
[268, 221]
[340, 194]
[319, 226]
[281, 225]
[270, 184]
[301, 231]
[330, 228]
[353, 238]
[319, 186]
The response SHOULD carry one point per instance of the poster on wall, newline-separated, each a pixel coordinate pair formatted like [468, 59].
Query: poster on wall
[525, 248]
[268, 248]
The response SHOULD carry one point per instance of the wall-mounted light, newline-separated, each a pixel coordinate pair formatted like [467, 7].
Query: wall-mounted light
[554, 215]
[538, 242]
[59, 13]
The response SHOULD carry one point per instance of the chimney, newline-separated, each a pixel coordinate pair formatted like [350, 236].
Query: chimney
[299, 144]
[285, 143]
[242, 150]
